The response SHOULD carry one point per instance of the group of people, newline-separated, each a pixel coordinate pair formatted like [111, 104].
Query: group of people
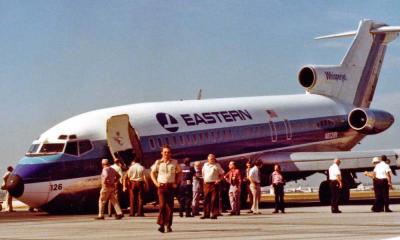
[205, 179]
[189, 183]
[381, 178]
[114, 182]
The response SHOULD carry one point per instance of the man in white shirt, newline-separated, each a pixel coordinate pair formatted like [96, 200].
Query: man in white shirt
[212, 174]
[137, 185]
[335, 182]
[383, 181]
[255, 187]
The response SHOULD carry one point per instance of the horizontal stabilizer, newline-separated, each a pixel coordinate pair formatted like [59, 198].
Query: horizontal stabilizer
[384, 29]
[338, 35]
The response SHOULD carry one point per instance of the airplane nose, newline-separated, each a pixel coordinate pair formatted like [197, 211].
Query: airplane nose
[15, 185]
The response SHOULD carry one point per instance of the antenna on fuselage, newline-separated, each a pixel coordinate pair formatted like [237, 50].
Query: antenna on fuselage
[199, 94]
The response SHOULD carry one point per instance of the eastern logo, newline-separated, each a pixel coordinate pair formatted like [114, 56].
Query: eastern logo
[167, 121]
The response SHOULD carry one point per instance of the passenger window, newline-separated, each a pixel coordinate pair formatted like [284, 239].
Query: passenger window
[152, 145]
[72, 148]
[85, 146]
[159, 142]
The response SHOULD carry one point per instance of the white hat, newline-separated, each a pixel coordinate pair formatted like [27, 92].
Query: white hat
[376, 160]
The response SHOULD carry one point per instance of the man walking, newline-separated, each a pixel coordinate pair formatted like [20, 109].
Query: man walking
[109, 177]
[166, 174]
[335, 183]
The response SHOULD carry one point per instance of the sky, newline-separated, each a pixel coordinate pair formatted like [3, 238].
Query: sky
[62, 58]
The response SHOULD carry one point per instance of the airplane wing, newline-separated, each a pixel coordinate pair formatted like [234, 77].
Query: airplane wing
[320, 161]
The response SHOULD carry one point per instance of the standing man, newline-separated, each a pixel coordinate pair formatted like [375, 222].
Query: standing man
[249, 195]
[377, 207]
[109, 177]
[137, 184]
[119, 167]
[166, 174]
[212, 173]
[8, 195]
[278, 183]
[383, 182]
[186, 189]
[335, 183]
[255, 188]
[197, 188]
[234, 178]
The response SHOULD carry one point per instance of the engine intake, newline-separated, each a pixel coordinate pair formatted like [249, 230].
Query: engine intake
[307, 77]
[369, 121]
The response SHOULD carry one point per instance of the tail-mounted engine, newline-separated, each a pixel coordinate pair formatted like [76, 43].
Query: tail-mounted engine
[368, 121]
[316, 78]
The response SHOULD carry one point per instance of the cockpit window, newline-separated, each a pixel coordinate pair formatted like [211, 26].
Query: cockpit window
[52, 148]
[33, 149]
[84, 146]
[72, 148]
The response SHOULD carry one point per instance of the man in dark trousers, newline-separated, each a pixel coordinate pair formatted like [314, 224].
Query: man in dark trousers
[186, 189]
[278, 183]
[166, 174]
[335, 182]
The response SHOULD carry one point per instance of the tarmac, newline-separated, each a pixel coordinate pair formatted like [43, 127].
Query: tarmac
[310, 222]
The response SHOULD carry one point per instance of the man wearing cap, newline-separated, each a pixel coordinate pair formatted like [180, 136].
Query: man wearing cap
[166, 174]
[335, 183]
[382, 179]
[109, 177]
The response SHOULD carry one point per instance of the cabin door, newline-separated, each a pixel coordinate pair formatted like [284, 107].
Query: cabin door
[122, 139]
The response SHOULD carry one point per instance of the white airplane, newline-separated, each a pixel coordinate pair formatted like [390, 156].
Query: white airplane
[303, 133]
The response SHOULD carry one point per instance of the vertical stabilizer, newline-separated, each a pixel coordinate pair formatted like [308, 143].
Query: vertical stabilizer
[355, 79]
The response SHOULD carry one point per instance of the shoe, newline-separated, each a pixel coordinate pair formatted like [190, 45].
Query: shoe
[336, 211]
[282, 211]
[119, 216]
[204, 217]
[250, 211]
[161, 229]
[388, 210]
[214, 217]
[99, 218]
[275, 211]
[232, 214]
[169, 229]
[256, 213]
[180, 214]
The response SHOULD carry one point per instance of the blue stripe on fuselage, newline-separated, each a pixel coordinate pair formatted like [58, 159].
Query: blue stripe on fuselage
[63, 166]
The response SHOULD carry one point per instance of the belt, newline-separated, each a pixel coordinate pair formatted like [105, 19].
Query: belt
[165, 184]
[210, 183]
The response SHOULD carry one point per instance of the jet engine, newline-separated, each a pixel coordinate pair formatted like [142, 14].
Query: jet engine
[369, 121]
[312, 77]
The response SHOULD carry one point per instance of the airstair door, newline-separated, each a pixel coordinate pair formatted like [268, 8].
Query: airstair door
[122, 139]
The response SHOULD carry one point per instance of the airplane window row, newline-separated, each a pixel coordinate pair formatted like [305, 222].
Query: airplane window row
[209, 137]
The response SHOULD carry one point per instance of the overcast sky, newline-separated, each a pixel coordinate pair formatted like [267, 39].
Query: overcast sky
[62, 58]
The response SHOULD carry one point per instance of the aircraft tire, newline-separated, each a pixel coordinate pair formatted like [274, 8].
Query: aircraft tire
[324, 193]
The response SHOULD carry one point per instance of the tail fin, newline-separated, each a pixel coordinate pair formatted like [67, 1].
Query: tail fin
[355, 79]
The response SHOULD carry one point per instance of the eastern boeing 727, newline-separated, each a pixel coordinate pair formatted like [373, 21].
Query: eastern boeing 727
[303, 133]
